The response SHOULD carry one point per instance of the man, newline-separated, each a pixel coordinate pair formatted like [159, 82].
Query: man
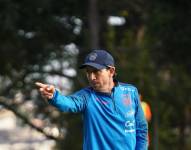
[112, 114]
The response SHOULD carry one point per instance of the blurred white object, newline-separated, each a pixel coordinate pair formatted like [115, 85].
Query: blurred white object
[116, 21]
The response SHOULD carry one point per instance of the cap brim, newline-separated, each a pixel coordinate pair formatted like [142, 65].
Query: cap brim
[94, 65]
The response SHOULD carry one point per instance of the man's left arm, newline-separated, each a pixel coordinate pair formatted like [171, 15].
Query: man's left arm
[141, 126]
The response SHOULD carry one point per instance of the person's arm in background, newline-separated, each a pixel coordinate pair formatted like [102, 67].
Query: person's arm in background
[141, 126]
[73, 103]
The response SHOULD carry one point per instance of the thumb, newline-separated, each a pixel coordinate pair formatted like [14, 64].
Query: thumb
[50, 88]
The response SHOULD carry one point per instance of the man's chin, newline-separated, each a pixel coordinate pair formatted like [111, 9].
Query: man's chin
[96, 88]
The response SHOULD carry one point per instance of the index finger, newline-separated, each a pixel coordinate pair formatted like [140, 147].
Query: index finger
[41, 85]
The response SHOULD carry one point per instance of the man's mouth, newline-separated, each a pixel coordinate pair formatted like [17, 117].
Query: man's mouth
[94, 83]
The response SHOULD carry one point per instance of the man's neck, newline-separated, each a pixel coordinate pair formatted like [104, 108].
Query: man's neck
[108, 89]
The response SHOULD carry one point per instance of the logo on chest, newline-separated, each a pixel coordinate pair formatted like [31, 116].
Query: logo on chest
[126, 99]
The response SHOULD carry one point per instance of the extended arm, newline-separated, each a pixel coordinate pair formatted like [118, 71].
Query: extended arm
[74, 103]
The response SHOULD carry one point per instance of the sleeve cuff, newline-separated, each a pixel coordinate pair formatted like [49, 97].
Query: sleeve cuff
[51, 101]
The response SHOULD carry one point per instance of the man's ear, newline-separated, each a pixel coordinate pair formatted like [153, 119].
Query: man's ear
[112, 70]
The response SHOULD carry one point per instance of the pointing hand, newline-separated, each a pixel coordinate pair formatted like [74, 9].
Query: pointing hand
[47, 91]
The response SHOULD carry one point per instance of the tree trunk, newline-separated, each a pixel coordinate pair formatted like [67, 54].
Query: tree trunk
[93, 19]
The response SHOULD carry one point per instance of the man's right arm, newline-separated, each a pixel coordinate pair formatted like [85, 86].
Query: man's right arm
[74, 103]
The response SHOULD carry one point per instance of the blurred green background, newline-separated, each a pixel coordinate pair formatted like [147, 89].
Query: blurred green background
[46, 40]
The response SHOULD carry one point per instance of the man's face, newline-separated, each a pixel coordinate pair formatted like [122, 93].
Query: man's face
[100, 80]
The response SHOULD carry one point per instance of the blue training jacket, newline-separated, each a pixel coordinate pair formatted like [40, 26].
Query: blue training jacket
[111, 121]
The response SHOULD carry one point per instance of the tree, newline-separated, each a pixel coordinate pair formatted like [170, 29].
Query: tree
[38, 39]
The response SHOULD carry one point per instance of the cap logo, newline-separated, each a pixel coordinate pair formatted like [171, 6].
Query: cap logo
[92, 56]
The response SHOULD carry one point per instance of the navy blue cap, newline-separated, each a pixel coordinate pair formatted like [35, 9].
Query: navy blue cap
[98, 59]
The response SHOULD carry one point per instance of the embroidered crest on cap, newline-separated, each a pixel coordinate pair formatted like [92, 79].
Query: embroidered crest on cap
[92, 56]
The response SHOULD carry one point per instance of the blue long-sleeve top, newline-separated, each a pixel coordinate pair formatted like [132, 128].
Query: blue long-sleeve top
[112, 121]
